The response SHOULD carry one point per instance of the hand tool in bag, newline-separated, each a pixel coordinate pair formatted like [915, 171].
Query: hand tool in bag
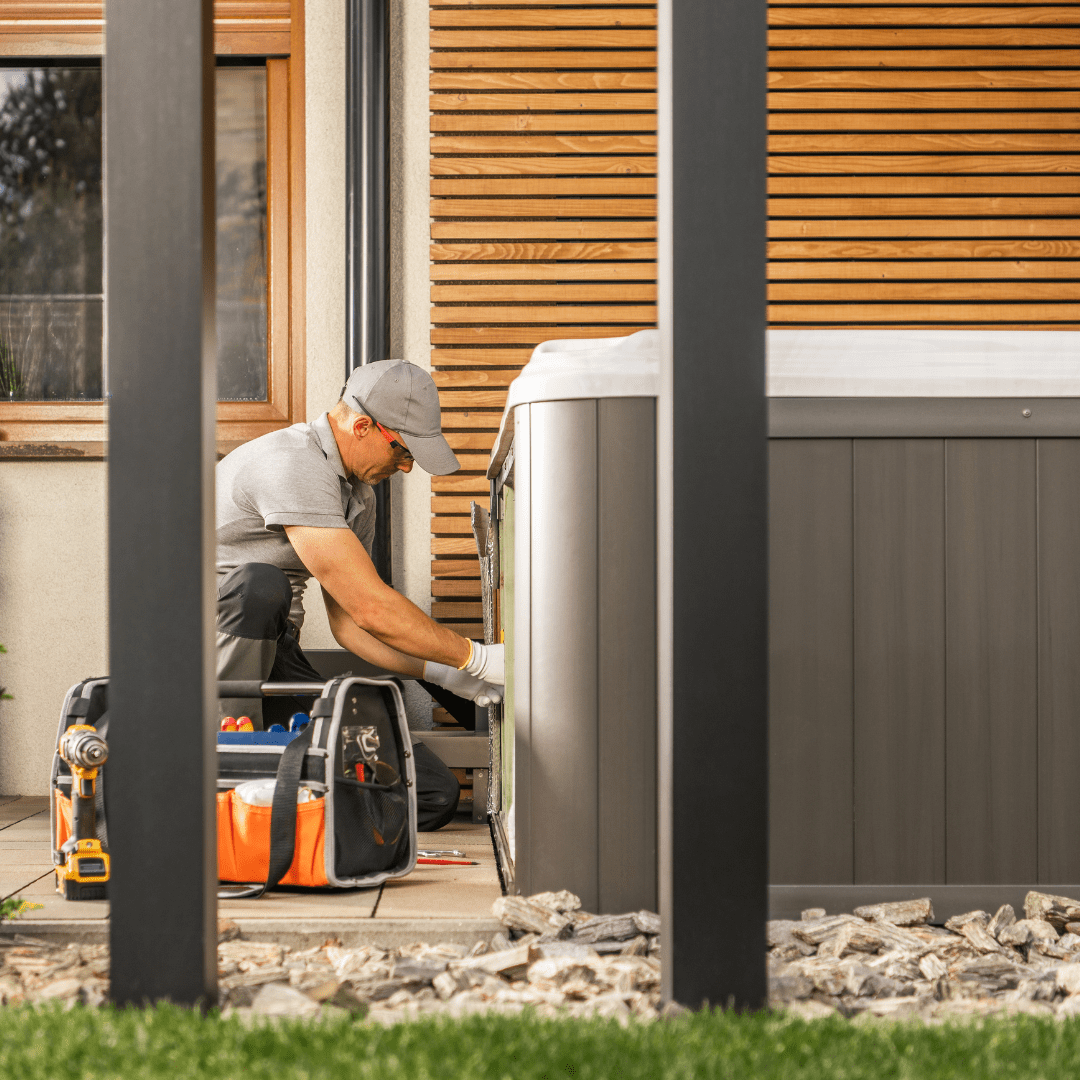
[84, 874]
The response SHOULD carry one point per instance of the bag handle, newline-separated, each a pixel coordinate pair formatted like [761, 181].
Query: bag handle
[282, 819]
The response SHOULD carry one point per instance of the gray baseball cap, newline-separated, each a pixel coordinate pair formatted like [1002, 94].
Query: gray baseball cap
[402, 397]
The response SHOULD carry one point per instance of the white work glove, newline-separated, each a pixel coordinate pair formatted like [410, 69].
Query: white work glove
[462, 684]
[487, 663]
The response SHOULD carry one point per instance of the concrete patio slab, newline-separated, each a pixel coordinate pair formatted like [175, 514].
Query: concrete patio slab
[434, 903]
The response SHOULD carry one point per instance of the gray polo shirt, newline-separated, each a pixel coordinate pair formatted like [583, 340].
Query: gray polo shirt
[288, 477]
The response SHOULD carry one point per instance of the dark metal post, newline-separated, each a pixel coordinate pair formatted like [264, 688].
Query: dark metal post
[367, 150]
[159, 112]
[714, 867]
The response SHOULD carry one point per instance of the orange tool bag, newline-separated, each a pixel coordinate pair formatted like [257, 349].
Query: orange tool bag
[334, 803]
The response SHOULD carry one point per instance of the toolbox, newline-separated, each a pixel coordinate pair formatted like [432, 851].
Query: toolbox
[351, 768]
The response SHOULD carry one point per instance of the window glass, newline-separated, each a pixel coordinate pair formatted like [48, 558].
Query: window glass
[50, 234]
[51, 302]
[241, 233]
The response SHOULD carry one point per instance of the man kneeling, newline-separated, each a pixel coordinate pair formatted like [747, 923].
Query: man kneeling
[298, 503]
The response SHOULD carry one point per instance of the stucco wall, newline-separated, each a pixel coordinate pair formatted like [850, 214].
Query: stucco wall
[52, 605]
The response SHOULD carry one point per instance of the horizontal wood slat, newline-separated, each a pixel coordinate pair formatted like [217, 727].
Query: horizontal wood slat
[540, 207]
[918, 164]
[575, 123]
[533, 186]
[530, 271]
[481, 358]
[816, 314]
[544, 230]
[543, 251]
[842, 57]
[560, 58]
[937, 38]
[524, 335]
[925, 185]
[465, 587]
[543, 17]
[547, 166]
[543, 293]
[929, 291]
[871, 206]
[873, 78]
[454, 504]
[924, 249]
[543, 144]
[921, 271]
[607, 38]
[475, 377]
[550, 3]
[542, 80]
[456, 567]
[555, 102]
[928, 121]
[1026, 15]
[958, 227]
[988, 142]
[925, 99]
[631, 313]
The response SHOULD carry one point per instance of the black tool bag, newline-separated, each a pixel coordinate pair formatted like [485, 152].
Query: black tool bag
[357, 827]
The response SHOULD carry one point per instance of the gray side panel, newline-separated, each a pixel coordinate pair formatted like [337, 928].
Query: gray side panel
[521, 822]
[627, 645]
[810, 655]
[991, 654]
[1059, 658]
[563, 693]
[899, 651]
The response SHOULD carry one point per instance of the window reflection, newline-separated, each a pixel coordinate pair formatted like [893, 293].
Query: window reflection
[50, 234]
[51, 302]
[241, 233]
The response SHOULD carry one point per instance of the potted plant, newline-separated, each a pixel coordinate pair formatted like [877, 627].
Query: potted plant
[4, 695]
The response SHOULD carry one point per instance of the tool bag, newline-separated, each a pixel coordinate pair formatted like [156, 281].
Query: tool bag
[355, 758]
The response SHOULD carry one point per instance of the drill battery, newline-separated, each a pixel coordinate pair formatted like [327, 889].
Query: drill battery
[85, 874]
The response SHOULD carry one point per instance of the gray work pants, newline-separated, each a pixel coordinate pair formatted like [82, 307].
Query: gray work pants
[255, 640]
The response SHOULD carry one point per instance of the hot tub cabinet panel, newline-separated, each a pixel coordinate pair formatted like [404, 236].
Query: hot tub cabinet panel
[925, 661]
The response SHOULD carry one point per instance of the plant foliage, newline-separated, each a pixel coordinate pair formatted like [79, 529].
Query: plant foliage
[4, 695]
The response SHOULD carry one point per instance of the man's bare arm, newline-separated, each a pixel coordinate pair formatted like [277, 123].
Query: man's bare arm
[359, 642]
[339, 562]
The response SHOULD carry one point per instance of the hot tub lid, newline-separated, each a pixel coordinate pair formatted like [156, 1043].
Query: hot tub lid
[577, 368]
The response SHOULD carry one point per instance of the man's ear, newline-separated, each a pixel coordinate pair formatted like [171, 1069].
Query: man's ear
[361, 426]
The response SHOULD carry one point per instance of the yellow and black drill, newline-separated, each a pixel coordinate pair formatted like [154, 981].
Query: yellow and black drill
[85, 873]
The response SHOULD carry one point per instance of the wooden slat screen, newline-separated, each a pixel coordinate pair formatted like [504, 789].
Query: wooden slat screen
[924, 172]
[924, 165]
[543, 185]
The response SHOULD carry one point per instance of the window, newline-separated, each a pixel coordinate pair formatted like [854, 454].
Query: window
[51, 232]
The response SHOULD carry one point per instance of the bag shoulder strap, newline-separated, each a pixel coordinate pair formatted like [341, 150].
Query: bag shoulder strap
[283, 812]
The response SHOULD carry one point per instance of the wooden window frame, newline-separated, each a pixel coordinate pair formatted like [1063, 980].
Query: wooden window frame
[270, 29]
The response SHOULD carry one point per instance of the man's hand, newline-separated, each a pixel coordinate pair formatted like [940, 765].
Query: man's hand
[488, 663]
[462, 684]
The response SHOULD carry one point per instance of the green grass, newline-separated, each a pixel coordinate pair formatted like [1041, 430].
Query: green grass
[171, 1044]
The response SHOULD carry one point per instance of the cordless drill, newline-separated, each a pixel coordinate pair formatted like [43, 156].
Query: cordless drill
[85, 873]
